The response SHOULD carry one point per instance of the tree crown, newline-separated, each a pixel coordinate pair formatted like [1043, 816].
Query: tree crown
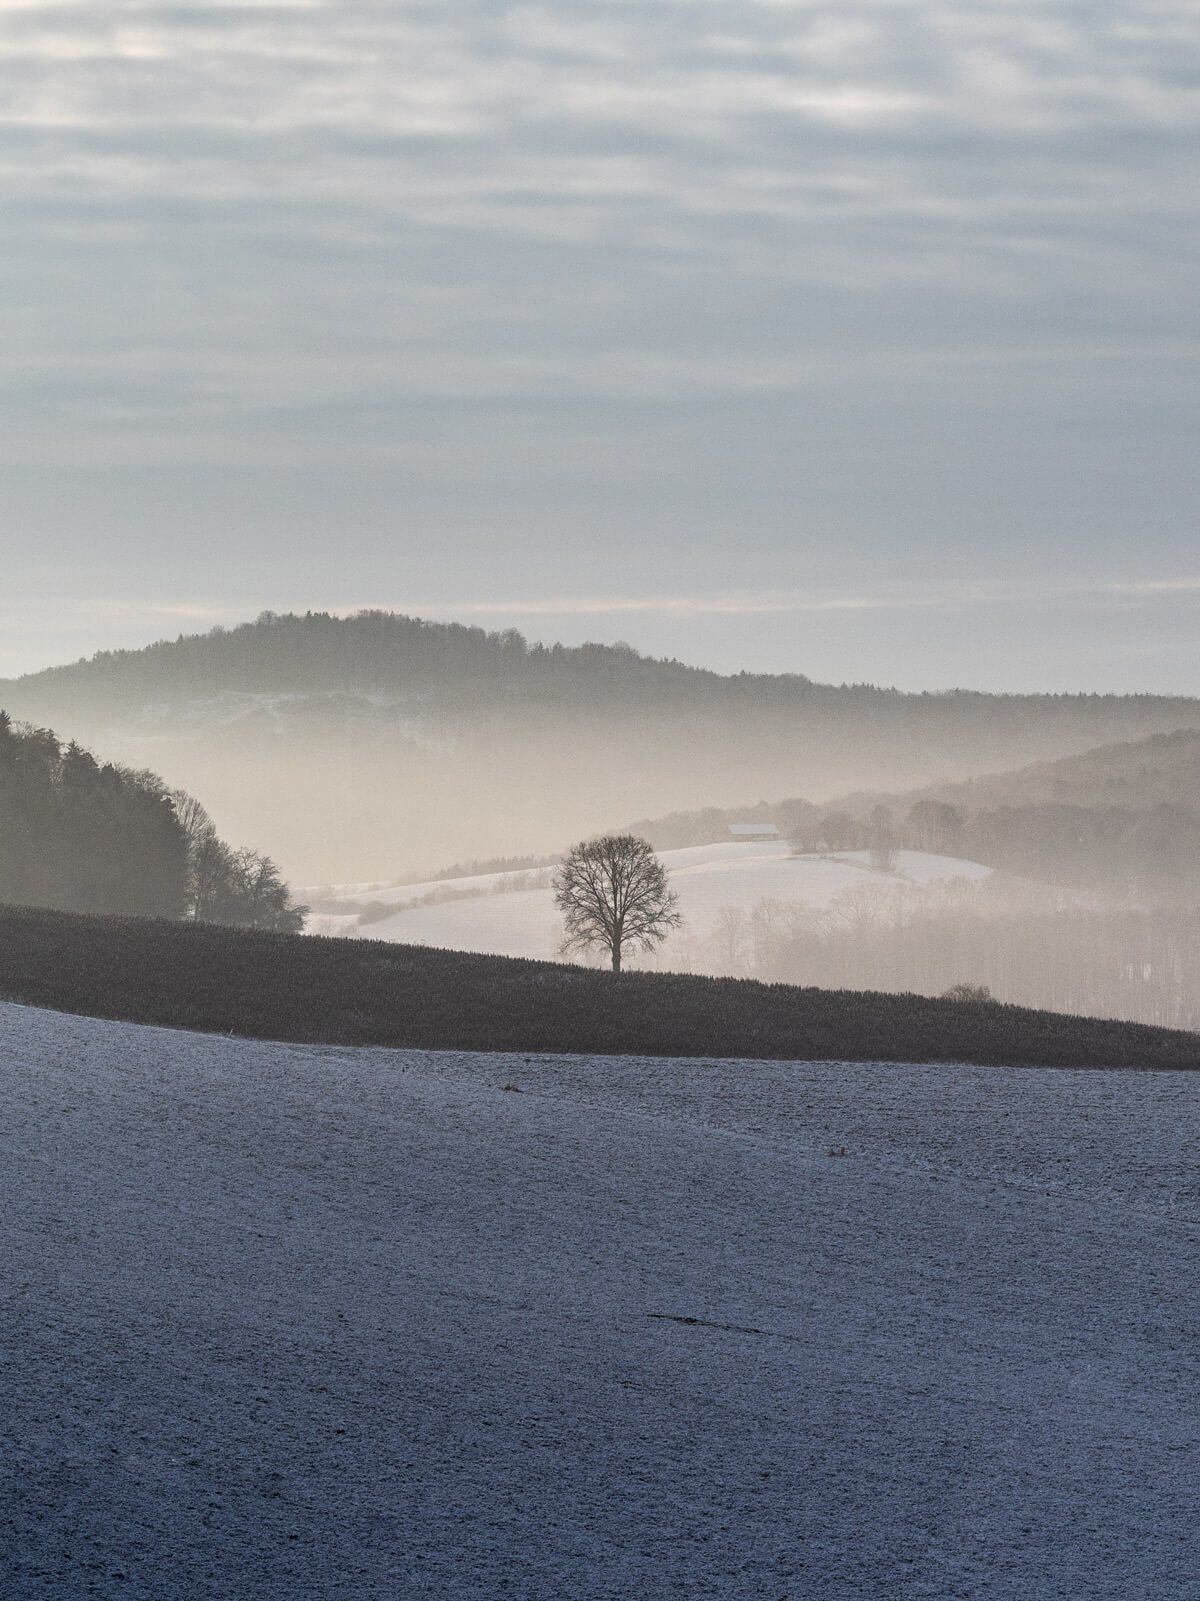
[613, 894]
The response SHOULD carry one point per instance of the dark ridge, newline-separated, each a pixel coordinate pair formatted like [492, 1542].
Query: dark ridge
[364, 992]
[378, 651]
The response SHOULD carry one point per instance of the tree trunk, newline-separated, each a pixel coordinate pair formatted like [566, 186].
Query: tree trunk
[616, 956]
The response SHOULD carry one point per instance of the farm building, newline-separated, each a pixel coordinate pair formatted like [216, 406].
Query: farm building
[753, 831]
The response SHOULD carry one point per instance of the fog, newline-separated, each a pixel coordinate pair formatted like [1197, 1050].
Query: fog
[1021, 943]
[377, 749]
[365, 785]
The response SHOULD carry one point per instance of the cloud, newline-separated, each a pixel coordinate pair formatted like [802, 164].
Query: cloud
[785, 284]
[964, 595]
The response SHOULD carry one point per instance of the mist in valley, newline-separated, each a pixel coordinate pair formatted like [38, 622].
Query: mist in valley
[382, 747]
[1042, 849]
[599, 800]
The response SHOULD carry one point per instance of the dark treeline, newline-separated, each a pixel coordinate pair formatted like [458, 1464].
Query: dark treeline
[85, 837]
[361, 992]
[1150, 856]
[378, 651]
[1161, 770]
[242, 887]
[318, 653]
[82, 836]
[383, 652]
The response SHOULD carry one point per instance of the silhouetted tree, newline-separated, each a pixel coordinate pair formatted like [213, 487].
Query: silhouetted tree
[613, 895]
[241, 887]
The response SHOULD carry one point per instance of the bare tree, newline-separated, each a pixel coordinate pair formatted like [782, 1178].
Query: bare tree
[614, 896]
[239, 887]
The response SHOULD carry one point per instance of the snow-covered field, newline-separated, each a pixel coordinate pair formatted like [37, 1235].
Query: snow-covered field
[306, 1323]
[499, 916]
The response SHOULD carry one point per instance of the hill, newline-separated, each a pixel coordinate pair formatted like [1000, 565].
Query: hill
[1123, 818]
[364, 747]
[290, 1321]
[1135, 775]
[915, 922]
[364, 992]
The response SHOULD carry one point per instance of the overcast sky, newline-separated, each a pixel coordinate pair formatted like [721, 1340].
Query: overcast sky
[853, 339]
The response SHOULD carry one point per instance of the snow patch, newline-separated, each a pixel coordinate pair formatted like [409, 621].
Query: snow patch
[500, 914]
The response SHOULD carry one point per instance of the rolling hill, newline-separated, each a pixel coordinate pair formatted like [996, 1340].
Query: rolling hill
[1161, 770]
[365, 747]
[367, 992]
[285, 1321]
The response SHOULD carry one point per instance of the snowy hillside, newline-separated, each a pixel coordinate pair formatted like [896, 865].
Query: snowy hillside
[497, 913]
[286, 1322]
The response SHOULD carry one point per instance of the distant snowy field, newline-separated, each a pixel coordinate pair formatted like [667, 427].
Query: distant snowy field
[299, 1324]
[502, 918]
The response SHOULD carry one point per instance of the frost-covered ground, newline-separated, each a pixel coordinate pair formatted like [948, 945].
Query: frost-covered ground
[500, 916]
[297, 1323]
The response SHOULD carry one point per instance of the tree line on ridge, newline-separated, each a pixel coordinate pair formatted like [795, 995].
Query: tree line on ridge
[84, 836]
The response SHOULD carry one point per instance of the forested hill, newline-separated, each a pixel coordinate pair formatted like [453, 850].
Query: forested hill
[1163, 770]
[365, 747]
[370, 654]
[377, 654]
[1123, 818]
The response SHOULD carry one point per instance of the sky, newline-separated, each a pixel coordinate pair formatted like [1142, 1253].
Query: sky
[854, 339]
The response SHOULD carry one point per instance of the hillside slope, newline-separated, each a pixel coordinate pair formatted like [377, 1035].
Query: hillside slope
[356, 748]
[287, 1322]
[498, 913]
[1162, 770]
[365, 992]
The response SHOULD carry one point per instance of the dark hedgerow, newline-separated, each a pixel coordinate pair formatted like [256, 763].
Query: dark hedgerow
[363, 992]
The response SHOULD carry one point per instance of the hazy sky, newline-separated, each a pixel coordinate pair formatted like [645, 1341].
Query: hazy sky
[856, 339]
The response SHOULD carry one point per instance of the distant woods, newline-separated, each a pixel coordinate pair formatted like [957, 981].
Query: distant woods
[1094, 908]
[82, 836]
[560, 742]
[1149, 853]
[1025, 944]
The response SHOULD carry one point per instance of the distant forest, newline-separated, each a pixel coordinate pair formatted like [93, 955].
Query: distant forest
[464, 668]
[411, 744]
[76, 835]
[1095, 909]
[1122, 819]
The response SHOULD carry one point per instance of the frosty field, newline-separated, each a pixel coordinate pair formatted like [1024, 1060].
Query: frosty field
[498, 915]
[291, 1323]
